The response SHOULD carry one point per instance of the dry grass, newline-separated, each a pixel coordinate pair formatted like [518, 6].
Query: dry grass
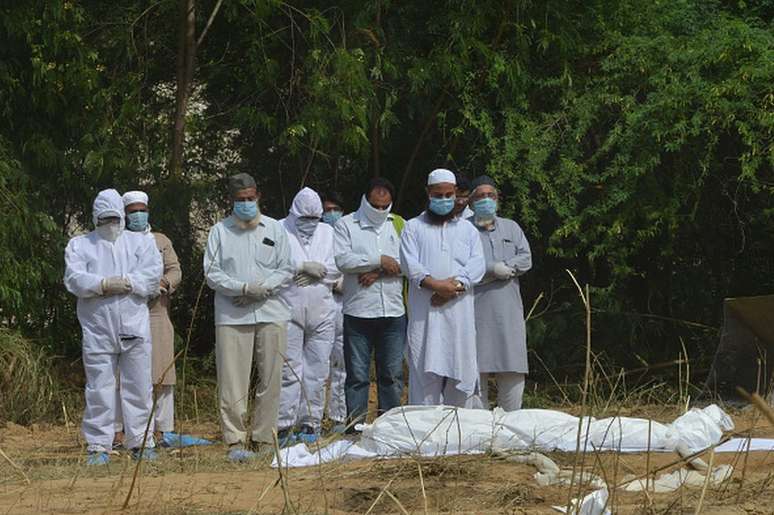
[29, 389]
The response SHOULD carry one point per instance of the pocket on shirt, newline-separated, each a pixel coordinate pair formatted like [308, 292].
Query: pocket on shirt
[264, 254]
[509, 249]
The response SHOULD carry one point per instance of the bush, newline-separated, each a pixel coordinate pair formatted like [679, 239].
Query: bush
[30, 390]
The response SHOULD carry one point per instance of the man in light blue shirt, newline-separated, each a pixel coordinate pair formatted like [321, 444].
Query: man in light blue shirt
[367, 245]
[247, 262]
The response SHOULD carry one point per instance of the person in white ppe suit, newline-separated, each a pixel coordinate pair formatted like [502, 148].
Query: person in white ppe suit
[162, 331]
[443, 258]
[114, 273]
[247, 263]
[336, 409]
[311, 330]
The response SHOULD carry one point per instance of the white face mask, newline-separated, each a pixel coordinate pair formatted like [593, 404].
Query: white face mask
[306, 227]
[110, 231]
[375, 216]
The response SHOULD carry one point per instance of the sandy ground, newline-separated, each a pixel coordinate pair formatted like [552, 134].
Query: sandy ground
[201, 481]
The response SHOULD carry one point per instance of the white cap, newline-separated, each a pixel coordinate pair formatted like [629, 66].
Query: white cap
[440, 175]
[134, 197]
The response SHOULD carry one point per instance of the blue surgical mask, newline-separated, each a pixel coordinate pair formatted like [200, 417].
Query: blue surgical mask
[485, 207]
[246, 210]
[137, 221]
[331, 217]
[441, 206]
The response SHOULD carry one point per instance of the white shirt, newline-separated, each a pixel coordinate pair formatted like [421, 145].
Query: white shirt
[442, 340]
[359, 248]
[235, 257]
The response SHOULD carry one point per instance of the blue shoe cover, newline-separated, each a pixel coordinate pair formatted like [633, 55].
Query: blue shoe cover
[239, 454]
[172, 439]
[149, 454]
[308, 435]
[286, 438]
[98, 458]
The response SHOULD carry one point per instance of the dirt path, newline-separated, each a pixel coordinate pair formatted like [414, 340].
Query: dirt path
[201, 481]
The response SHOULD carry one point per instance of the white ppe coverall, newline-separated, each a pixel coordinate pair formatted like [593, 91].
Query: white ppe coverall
[337, 404]
[311, 330]
[116, 328]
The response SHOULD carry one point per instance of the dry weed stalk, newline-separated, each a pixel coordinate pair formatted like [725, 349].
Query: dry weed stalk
[400, 506]
[422, 485]
[15, 466]
[184, 352]
[757, 401]
[706, 482]
[587, 305]
[305, 397]
[283, 480]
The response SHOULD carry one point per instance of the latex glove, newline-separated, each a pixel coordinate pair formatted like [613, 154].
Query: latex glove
[303, 279]
[256, 291]
[115, 286]
[315, 269]
[503, 271]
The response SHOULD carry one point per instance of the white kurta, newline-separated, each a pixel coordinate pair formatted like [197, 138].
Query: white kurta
[116, 328]
[442, 340]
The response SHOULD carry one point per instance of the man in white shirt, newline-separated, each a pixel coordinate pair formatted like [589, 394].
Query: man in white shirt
[443, 258]
[312, 323]
[247, 262]
[367, 249]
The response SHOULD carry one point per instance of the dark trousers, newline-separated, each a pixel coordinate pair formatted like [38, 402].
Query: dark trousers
[386, 338]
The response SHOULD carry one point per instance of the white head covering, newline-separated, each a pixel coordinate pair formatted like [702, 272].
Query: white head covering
[133, 197]
[440, 175]
[108, 203]
[306, 203]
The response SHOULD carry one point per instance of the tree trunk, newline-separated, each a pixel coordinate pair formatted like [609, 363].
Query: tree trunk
[186, 54]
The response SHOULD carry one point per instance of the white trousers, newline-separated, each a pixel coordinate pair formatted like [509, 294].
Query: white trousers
[305, 371]
[133, 361]
[164, 419]
[428, 389]
[165, 408]
[337, 405]
[510, 390]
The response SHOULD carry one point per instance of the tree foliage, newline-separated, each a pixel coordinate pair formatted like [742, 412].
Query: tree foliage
[632, 140]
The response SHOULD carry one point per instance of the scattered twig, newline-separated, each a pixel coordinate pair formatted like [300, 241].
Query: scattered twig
[15, 466]
[757, 401]
[283, 481]
[706, 482]
[400, 506]
[422, 485]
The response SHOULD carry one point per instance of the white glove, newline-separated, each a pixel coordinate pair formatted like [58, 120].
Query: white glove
[314, 269]
[115, 286]
[503, 271]
[256, 291]
[303, 279]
